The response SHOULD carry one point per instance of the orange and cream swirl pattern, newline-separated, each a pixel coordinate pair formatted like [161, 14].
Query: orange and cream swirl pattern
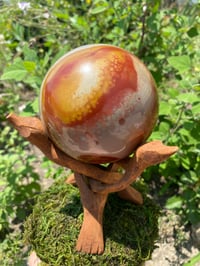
[98, 103]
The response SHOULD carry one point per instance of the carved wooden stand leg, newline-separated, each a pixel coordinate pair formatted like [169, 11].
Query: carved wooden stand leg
[131, 195]
[91, 239]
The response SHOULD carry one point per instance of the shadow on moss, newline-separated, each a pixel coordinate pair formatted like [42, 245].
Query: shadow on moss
[52, 229]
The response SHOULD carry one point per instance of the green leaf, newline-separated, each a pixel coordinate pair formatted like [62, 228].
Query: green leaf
[181, 63]
[196, 87]
[60, 15]
[173, 92]
[2, 182]
[196, 109]
[46, 59]
[35, 105]
[185, 162]
[188, 194]
[156, 135]
[98, 10]
[29, 54]
[164, 108]
[193, 261]
[29, 66]
[31, 108]
[34, 81]
[164, 127]
[192, 32]
[15, 71]
[101, 6]
[17, 75]
[188, 97]
[194, 215]
[174, 202]
[188, 125]
[168, 31]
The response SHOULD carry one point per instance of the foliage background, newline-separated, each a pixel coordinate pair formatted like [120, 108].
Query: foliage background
[33, 35]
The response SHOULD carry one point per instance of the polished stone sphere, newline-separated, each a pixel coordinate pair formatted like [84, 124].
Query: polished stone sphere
[98, 103]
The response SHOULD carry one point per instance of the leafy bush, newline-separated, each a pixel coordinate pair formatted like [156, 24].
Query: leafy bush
[18, 180]
[179, 125]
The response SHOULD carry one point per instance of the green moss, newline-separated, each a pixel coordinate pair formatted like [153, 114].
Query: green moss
[52, 229]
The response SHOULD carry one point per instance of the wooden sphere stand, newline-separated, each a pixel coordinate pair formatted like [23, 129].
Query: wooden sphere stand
[95, 182]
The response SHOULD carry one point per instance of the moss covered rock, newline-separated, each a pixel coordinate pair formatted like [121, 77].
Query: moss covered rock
[52, 229]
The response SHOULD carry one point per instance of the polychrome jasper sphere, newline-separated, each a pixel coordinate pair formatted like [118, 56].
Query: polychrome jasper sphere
[98, 103]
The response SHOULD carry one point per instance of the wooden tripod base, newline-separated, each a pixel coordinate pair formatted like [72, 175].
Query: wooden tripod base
[95, 182]
[91, 239]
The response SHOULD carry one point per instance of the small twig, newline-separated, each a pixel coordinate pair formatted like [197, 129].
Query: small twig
[176, 125]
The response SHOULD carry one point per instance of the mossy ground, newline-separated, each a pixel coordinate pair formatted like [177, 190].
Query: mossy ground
[52, 229]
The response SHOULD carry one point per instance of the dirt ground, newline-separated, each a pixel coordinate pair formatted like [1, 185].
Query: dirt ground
[176, 244]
